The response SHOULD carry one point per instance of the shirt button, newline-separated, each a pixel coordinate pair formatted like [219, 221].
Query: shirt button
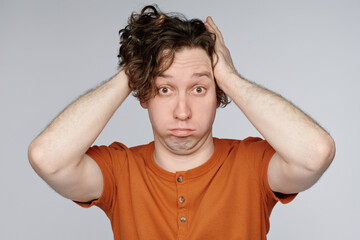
[183, 219]
[180, 179]
[181, 199]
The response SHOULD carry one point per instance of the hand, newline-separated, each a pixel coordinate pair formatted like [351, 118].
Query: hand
[224, 66]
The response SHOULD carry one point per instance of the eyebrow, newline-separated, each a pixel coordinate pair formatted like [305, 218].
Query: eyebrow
[198, 74]
[163, 75]
[204, 73]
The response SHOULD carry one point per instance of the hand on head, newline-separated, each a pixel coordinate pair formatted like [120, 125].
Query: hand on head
[223, 62]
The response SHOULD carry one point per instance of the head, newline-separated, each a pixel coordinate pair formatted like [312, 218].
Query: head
[149, 43]
[169, 61]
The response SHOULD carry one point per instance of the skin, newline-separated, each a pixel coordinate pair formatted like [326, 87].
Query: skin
[182, 118]
[304, 150]
[183, 112]
[63, 164]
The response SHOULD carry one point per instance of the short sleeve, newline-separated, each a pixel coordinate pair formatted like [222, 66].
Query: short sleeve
[262, 153]
[110, 159]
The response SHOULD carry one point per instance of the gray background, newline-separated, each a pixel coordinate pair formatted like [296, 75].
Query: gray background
[53, 51]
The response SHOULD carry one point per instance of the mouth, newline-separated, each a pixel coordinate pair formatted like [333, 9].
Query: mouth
[181, 132]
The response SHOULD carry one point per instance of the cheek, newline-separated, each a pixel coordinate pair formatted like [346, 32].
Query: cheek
[206, 110]
[158, 114]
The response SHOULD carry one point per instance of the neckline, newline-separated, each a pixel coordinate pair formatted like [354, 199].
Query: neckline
[216, 158]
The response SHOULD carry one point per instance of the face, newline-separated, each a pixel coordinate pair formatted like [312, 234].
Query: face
[183, 111]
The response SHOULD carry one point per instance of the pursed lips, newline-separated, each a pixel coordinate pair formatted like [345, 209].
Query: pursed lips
[181, 132]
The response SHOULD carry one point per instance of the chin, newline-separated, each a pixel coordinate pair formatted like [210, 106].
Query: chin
[181, 146]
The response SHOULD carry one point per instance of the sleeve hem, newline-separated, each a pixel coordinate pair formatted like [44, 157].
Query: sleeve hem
[100, 201]
[281, 197]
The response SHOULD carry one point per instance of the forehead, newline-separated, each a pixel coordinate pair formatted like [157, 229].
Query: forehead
[188, 59]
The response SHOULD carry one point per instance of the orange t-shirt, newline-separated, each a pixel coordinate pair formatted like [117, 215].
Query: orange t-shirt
[227, 197]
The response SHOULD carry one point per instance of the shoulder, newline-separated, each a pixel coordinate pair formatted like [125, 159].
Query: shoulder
[118, 151]
[247, 142]
[251, 149]
[120, 147]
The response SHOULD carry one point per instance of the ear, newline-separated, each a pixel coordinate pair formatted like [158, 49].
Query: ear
[144, 105]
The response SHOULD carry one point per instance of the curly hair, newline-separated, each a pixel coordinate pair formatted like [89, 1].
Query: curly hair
[149, 43]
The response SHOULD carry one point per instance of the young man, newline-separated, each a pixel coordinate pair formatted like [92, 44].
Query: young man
[186, 184]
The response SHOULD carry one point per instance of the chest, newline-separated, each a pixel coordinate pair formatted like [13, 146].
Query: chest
[225, 202]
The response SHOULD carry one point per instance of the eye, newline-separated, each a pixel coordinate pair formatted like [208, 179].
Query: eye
[199, 90]
[164, 91]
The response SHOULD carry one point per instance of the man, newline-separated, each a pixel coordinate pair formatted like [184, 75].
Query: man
[186, 184]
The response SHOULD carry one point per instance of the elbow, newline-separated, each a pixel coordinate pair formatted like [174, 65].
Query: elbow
[38, 160]
[34, 154]
[324, 154]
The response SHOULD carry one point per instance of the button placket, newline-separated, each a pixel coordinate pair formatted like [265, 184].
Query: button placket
[181, 185]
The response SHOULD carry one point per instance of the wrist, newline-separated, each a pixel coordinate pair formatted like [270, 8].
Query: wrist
[228, 81]
[121, 82]
[236, 87]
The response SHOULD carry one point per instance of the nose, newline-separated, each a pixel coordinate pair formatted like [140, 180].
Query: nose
[182, 109]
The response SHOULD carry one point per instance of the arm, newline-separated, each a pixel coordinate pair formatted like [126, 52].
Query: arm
[58, 153]
[303, 149]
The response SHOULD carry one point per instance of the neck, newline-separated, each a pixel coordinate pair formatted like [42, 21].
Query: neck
[173, 162]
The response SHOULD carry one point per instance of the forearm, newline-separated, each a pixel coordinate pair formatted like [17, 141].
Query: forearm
[303, 149]
[71, 133]
[297, 138]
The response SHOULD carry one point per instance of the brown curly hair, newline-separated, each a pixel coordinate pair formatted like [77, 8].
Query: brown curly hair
[149, 43]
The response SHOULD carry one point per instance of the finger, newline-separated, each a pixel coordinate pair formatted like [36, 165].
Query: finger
[210, 25]
[215, 29]
[211, 29]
